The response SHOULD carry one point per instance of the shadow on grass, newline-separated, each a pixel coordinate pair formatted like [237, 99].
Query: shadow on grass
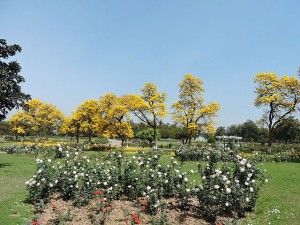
[2, 165]
[27, 200]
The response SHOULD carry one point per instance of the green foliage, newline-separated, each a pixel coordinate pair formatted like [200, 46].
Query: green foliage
[11, 95]
[4, 128]
[147, 134]
[288, 130]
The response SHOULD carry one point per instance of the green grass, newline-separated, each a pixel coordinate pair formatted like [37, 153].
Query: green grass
[14, 171]
[281, 193]
[5, 143]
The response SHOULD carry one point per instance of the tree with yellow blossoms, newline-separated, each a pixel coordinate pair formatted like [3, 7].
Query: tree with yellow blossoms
[114, 120]
[150, 107]
[190, 111]
[87, 116]
[84, 120]
[279, 97]
[38, 117]
[71, 126]
[20, 123]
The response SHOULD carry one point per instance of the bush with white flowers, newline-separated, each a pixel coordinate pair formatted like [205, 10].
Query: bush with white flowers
[40, 186]
[229, 188]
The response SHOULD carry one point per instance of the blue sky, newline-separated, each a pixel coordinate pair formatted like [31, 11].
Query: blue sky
[78, 50]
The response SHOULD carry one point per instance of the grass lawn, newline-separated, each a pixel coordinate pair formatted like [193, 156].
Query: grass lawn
[14, 171]
[279, 201]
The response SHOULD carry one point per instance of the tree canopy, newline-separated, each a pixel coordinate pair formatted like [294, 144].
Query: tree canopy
[11, 95]
[38, 117]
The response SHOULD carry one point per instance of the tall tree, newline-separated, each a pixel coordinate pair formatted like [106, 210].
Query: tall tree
[150, 107]
[11, 95]
[114, 120]
[279, 97]
[190, 110]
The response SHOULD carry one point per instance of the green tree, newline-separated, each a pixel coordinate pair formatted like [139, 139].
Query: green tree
[221, 131]
[249, 131]
[288, 130]
[4, 128]
[147, 134]
[11, 95]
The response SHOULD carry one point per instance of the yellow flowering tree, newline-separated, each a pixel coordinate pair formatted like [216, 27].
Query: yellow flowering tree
[71, 126]
[114, 118]
[40, 118]
[279, 97]
[83, 120]
[87, 116]
[150, 107]
[190, 111]
[20, 123]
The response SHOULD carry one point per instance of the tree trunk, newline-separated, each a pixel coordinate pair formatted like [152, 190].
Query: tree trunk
[155, 135]
[182, 140]
[190, 139]
[77, 134]
[77, 138]
[122, 143]
[90, 137]
[270, 141]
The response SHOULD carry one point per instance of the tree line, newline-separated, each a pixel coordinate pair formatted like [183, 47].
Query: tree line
[288, 132]
[110, 116]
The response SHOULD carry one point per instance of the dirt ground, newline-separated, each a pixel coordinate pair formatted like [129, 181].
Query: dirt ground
[121, 213]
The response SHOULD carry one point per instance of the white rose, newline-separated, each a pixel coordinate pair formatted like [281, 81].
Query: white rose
[228, 190]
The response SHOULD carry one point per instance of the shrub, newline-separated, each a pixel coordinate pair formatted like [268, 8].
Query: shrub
[231, 188]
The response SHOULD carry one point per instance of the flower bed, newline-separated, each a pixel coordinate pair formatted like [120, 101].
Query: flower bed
[227, 189]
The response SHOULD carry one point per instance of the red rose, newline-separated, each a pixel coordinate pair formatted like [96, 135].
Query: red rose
[137, 221]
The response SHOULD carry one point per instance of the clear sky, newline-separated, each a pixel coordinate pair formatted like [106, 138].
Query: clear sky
[78, 50]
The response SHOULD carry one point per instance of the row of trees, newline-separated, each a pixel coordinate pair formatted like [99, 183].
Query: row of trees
[278, 96]
[288, 132]
[110, 116]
